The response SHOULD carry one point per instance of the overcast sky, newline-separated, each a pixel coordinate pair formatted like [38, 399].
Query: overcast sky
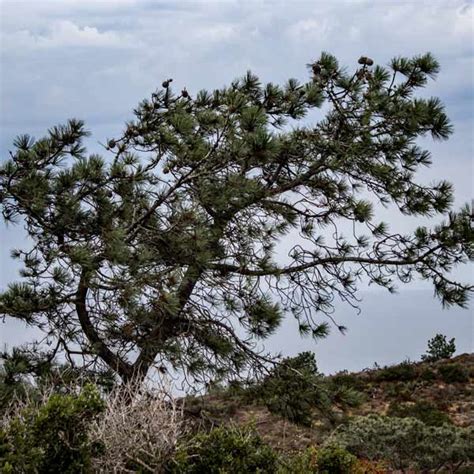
[95, 60]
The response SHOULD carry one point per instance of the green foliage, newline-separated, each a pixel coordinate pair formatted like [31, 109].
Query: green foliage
[169, 244]
[51, 437]
[453, 373]
[428, 375]
[330, 459]
[264, 317]
[346, 379]
[406, 442]
[402, 391]
[439, 348]
[294, 389]
[397, 373]
[333, 459]
[346, 390]
[225, 450]
[422, 410]
[25, 372]
[304, 462]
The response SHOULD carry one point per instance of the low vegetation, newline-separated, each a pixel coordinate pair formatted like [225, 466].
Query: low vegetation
[407, 442]
[410, 417]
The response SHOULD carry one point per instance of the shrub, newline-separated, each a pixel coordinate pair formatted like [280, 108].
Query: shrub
[26, 374]
[402, 372]
[51, 436]
[401, 391]
[364, 466]
[345, 379]
[305, 462]
[422, 410]
[225, 450]
[294, 389]
[452, 373]
[138, 431]
[346, 389]
[439, 348]
[333, 459]
[406, 442]
[428, 375]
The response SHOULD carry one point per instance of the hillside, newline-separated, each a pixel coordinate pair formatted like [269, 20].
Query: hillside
[436, 392]
[405, 418]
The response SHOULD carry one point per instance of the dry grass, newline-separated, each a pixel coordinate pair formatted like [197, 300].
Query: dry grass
[139, 429]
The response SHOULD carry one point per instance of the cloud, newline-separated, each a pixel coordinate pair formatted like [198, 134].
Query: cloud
[64, 34]
[309, 29]
[96, 59]
[85, 58]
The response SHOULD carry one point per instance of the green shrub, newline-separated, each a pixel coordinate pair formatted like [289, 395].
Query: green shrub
[294, 389]
[345, 379]
[225, 450]
[346, 389]
[52, 436]
[452, 373]
[330, 459]
[422, 410]
[402, 391]
[439, 348]
[333, 459]
[428, 375]
[402, 372]
[25, 374]
[305, 462]
[406, 442]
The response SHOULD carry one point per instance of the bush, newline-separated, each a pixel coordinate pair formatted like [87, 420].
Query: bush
[402, 391]
[364, 466]
[304, 462]
[26, 374]
[428, 375]
[346, 396]
[422, 410]
[452, 373]
[345, 379]
[406, 442]
[439, 348]
[138, 431]
[333, 459]
[225, 450]
[294, 389]
[402, 372]
[51, 436]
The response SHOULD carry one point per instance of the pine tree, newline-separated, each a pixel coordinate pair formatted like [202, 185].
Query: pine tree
[167, 253]
[439, 348]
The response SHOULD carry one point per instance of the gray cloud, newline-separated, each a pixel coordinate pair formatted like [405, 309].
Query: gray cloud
[96, 59]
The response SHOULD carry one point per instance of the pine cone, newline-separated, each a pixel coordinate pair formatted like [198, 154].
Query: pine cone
[316, 69]
[365, 61]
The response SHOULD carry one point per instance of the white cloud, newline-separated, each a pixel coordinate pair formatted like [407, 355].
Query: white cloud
[309, 29]
[95, 59]
[464, 23]
[218, 32]
[62, 34]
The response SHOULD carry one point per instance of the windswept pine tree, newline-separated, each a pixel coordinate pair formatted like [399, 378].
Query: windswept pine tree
[166, 252]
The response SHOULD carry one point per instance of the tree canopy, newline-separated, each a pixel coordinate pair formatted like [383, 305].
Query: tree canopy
[168, 252]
